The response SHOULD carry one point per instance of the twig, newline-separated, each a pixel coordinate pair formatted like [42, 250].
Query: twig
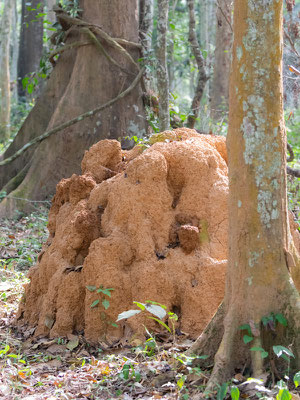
[73, 121]
[291, 43]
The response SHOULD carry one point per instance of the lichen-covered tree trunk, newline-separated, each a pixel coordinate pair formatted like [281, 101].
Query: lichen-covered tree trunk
[83, 79]
[162, 69]
[263, 263]
[220, 84]
[31, 41]
[145, 31]
[5, 71]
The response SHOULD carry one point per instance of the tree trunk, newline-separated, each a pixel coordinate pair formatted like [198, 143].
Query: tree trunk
[145, 31]
[202, 77]
[83, 78]
[162, 69]
[262, 259]
[31, 42]
[5, 72]
[220, 84]
[14, 45]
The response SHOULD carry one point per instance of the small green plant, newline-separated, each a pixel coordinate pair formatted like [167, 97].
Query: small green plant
[270, 321]
[106, 292]
[156, 309]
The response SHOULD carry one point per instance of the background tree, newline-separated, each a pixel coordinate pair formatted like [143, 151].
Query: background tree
[162, 70]
[5, 100]
[262, 258]
[222, 59]
[84, 77]
[31, 40]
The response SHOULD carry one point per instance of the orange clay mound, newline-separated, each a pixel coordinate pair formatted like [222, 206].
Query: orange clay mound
[150, 224]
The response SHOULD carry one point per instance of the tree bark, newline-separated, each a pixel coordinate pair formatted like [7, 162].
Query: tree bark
[31, 42]
[202, 77]
[263, 266]
[162, 69]
[14, 45]
[145, 32]
[220, 84]
[83, 79]
[5, 97]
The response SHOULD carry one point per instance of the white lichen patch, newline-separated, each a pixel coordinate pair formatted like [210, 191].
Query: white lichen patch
[249, 279]
[239, 204]
[239, 53]
[254, 258]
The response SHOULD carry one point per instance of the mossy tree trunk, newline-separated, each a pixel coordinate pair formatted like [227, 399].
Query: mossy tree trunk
[82, 79]
[263, 263]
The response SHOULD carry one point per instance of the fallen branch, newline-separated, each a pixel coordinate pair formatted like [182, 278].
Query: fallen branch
[73, 121]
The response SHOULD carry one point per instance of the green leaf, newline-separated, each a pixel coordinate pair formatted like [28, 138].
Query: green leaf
[95, 303]
[234, 393]
[105, 304]
[281, 319]
[91, 288]
[161, 323]
[263, 353]
[105, 291]
[140, 305]
[125, 371]
[245, 327]
[281, 350]
[284, 394]
[137, 376]
[114, 324]
[247, 339]
[180, 382]
[222, 391]
[257, 349]
[127, 314]
[297, 379]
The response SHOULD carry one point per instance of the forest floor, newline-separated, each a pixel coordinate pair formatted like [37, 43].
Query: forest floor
[68, 368]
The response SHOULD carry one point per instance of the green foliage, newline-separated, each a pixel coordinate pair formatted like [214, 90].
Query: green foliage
[222, 391]
[297, 379]
[234, 393]
[71, 6]
[157, 309]
[104, 302]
